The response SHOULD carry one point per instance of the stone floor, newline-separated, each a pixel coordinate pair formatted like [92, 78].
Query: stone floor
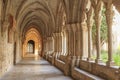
[29, 69]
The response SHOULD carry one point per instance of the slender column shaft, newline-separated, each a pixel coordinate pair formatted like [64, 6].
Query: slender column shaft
[89, 44]
[89, 25]
[98, 25]
[109, 19]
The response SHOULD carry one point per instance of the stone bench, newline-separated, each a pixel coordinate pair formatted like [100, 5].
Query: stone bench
[79, 74]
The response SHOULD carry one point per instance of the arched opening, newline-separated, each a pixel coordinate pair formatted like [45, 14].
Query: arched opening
[31, 47]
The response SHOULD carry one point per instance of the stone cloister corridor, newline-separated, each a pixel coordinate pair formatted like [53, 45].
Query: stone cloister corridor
[59, 40]
[30, 69]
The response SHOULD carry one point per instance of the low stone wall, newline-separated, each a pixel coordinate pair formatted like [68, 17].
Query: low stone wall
[108, 73]
[62, 58]
[79, 74]
[86, 70]
[60, 64]
[87, 66]
[50, 58]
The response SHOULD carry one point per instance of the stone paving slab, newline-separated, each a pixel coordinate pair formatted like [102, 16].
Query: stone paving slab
[34, 70]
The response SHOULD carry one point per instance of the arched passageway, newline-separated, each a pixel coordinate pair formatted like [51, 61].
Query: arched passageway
[70, 34]
[32, 45]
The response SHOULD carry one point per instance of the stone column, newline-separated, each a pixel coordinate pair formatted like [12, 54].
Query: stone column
[84, 37]
[54, 48]
[69, 39]
[44, 48]
[78, 44]
[71, 42]
[89, 43]
[84, 41]
[89, 25]
[68, 32]
[98, 40]
[59, 43]
[55, 42]
[63, 43]
[50, 44]
[98, 19]
[109, 19]
[67, 43]
[47, 48]
[74, 28]
[48, 40]
[75, 57]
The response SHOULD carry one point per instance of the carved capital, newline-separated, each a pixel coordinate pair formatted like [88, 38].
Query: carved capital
[68, 28]
[84, 26]
[74, 27]
[90, 18]
[84, 17]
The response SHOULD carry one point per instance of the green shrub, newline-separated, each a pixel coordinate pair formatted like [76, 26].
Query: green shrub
[104, 57]
[116, 57]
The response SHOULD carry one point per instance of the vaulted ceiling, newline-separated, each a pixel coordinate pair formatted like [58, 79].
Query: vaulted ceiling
[46, 15]
[39, 13]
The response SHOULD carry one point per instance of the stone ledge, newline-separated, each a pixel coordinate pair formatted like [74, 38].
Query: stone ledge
[50, 58]
[60, 64]
[62, 58]
[83, 75]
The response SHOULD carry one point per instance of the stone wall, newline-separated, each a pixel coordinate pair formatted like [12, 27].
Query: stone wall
[6, 54]
[0, 57]
[99, 70]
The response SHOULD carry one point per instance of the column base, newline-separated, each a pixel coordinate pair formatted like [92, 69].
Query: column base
[46, 57]
[89, 59]
[73, 61]
[83, 58]
[67, 69]
[53, 58]
[110, 63]
[97, 61]
[78, 62]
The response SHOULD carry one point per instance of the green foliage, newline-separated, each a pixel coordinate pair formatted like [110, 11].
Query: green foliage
[103, 30]
[116, 57]
[104, 55]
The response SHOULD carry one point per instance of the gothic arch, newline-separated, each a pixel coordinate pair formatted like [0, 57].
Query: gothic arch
[34, 35]
[43, 16]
